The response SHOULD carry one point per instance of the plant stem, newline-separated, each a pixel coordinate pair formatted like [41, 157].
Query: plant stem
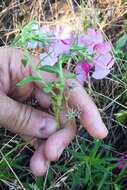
[60, 96]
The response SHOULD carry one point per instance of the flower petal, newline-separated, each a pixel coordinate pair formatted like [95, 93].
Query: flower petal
[93, 37]
[103, 48]
[81, 73]
[81, 78]
[62, 33]
[58, 47]
[100, 74]
[103, 60]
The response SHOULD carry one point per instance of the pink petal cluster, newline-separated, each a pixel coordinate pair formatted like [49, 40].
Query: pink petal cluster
[102, 61]
[61, 41]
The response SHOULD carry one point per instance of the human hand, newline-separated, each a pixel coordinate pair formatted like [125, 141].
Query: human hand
[32, 123]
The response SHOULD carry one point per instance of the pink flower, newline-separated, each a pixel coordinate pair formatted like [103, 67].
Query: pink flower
[102, 64]
[46, 29]
[122, 162]
[61, 43]
[62, 39]
[91, 39]
[82, 70]
[62, 33]
[103, 59]
[102, 48]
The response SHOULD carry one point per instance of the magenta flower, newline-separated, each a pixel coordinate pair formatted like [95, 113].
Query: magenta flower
[102, 48]
[102, 65]
[61, 43]
[103, 59]
[61, 40]
[122, 162]
[82, 70]
[91, 39]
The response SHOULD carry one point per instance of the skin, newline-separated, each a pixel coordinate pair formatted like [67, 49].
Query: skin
[37, 126]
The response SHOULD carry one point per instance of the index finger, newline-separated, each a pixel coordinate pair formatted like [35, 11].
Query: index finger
[90, 116]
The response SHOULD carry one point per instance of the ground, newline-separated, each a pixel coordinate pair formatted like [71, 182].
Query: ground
[86, 164]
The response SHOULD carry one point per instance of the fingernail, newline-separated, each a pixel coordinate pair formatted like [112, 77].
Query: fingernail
[59, 152]
[48, 127]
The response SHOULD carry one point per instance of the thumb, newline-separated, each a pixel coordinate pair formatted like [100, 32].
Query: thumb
[25, 120]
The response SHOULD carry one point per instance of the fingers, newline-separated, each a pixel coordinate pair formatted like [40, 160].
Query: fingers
[52, 149]
[23, 119]
[78, 98]
[90, 116]
[43, 99]
[57, 142]
[38, 162]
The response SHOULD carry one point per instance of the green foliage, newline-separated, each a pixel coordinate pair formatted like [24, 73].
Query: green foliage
[49, 69]
[121, 42]
[28, 80]
[94, 170]
[26, 58]
[121, 116]
[27, 34]
[91, 168]
[121, 47]
[92, 165]
[80, 53]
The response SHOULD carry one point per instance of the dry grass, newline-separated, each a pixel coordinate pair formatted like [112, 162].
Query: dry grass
[110, 94]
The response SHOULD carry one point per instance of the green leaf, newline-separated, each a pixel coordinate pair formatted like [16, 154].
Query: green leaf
[121, 42]
[26, 58]
[49, 69]
[124, 78]
[25, 61]
[117, 187]
[47, 89]
[70, 75]
[64, 58]
[76, 47]
[28, 80]
[121, 116]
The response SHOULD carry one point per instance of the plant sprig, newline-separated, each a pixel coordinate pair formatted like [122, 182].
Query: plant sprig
[56, 88]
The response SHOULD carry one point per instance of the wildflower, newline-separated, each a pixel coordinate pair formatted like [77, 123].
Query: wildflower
[102, 61]
[82, 69]
[61, 40]
[122, 162]
[91, 39]
[60, 44]
[102, 65]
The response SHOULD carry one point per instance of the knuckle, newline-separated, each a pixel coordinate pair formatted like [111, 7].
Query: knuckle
[23, 118]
